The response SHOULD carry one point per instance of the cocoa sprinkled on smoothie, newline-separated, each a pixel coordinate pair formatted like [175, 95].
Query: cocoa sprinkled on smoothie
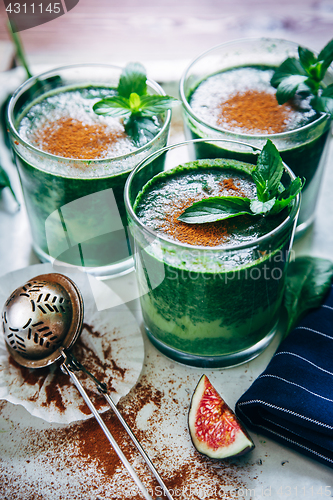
[211, 234]
[71, 138]
[254, 111]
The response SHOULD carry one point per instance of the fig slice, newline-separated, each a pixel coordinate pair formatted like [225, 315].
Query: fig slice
[214, 428]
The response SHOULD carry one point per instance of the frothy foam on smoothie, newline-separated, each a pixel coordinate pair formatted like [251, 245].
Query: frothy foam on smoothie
[65, 125]
[238, 99]
[166, 197]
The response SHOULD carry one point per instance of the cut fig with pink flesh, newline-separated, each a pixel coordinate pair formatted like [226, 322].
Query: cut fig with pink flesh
[215, 430]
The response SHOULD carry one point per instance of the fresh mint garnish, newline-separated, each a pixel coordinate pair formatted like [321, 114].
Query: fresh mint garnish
[216, 208]
[271, 198]
[133, 103]
[308, 282]
[305, 75]
[132, 80]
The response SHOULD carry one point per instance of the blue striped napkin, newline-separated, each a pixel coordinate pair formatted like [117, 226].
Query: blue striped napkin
[292, 400]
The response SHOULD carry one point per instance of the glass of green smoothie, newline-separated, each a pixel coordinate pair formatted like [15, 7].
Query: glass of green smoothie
[227, 94]
[210, 293]
[73, 164]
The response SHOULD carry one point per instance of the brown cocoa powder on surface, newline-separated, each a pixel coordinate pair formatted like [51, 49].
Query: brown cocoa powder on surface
[58, 380]
[76, 462]
[71, 138]
[254, 111]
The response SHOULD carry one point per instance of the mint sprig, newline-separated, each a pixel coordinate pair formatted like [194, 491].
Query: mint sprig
[305, 76]
[133, 103]
[271, 197]
[308, 282]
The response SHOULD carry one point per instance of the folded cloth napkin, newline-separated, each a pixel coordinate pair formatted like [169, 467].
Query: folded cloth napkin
[292, 400]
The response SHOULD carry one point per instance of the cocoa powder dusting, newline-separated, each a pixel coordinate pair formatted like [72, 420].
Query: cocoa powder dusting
[54, 381]
[76, 462]
[71, 138]
[209, 234]
[52, 390]
[31, 377]
[255, 112]
[90, 329]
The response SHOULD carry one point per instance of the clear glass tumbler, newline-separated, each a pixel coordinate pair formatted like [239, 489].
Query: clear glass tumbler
[208, 306]
[304, 149]
[75, 206]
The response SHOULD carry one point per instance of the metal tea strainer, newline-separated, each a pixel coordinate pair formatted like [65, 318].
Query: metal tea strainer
[41, 321]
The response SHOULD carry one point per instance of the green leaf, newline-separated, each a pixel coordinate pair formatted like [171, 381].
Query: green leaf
[271, 196]
[134, 102]
[304, 76]
[19, 49]
[132, 80]
[155, 104]
[307, 58]
[324, 102]
[261, 207]
[326, 56]
[328, 91]
[112, 106]
[291, 66]
[307, 283]
[310, 63]
[138, 109]
[288, 87]
[141, 129]
[268, 172]
[215, 209]
[5, 182]
[286, 196]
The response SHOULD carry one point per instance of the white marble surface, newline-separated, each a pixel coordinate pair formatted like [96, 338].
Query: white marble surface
[270, 470]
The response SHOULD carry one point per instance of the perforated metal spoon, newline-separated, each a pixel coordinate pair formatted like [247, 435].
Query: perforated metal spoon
[41, 321]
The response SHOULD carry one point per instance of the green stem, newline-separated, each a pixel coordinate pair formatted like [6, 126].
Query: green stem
[19, 50]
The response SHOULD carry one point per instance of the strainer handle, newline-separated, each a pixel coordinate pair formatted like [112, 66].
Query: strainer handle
[75, 364]
[68, 369]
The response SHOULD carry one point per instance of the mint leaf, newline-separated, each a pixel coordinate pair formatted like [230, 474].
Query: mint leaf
[304, 76]
[155, 104]
[290, 66]
[261, 207]
[138, 109]
[286, 196]
[310, 63]
[324, 102]
[326, 56]
[132, 79]
[307, 58]
[268, 172]
[141, 129]
[112, 106]
[271, 196]
[134, 102]
[288, 87]
[308, 282]
[215, 209]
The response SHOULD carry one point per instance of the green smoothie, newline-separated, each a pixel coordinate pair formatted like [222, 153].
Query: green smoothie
[213, 291]
[73, 165]
[64, 124]
[239, 103]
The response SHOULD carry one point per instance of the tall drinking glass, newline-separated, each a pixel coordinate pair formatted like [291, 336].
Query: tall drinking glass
[205, 305]
[75, 204]
[303, 148]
